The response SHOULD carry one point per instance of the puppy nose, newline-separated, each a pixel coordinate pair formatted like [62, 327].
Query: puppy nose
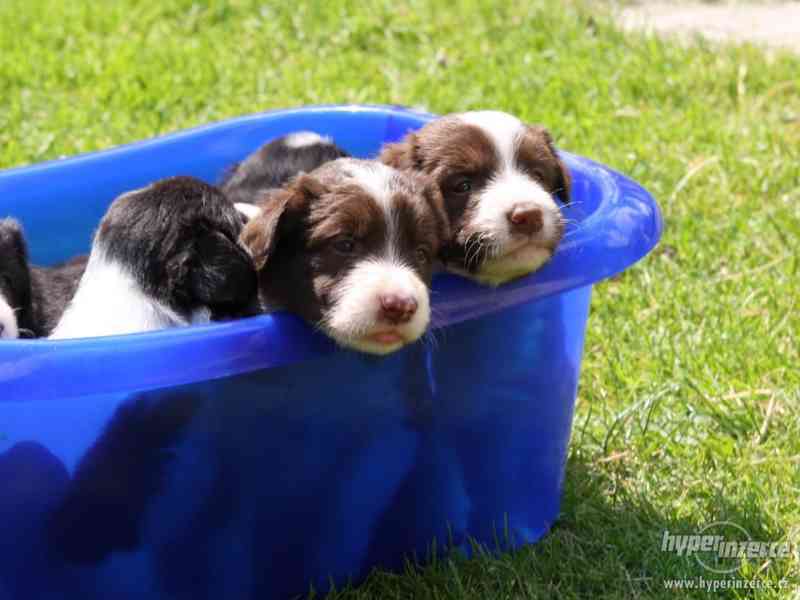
[525, 220]
[2, 329]
[397, 309]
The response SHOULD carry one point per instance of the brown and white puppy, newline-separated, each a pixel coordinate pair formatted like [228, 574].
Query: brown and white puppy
[499, 177]
[350, 248]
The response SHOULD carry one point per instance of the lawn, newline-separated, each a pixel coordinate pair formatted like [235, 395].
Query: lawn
[689, 403]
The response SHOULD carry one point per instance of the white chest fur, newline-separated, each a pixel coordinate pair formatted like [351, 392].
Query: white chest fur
[109, 301]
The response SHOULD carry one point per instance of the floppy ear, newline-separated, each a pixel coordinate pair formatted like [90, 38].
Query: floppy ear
[563, 183]
[280, 212]
[435, 199]
[403, 154]
[177, 270]
[11, 237]
[223, 274]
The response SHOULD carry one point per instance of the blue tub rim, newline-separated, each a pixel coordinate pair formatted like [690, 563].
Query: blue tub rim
[260, 342]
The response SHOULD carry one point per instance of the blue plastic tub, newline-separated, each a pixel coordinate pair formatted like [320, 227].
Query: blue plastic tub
[253, 460]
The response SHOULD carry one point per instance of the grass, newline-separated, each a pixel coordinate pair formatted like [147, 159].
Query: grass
[689, 404]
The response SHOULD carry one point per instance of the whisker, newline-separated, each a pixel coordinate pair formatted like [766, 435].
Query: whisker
[430, 340]
[471, 251]
[571, 233]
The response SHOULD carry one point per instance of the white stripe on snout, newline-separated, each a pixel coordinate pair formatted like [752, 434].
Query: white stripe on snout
[356, 301]
[375, 178]
[8, 320]
[509, 189]
[301, 139]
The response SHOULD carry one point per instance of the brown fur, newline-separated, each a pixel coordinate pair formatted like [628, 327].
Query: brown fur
[448, 150]
[537, 156]
[294, 239]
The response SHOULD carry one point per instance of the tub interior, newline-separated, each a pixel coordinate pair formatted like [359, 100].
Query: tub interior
[60, 213]
[612, 222]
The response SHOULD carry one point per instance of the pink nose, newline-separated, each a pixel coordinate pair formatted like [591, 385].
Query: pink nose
[397, 309]
[525, 220]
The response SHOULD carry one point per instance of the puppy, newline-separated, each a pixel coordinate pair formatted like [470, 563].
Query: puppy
[350, 248]
[272, 165]
[32, 299]
[163, 256]
[499, 178]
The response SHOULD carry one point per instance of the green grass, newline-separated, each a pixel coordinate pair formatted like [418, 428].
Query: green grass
[689, 404]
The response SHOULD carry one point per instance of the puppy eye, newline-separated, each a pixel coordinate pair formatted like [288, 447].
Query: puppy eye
[423, 257]
[463, 186]
[344, 245]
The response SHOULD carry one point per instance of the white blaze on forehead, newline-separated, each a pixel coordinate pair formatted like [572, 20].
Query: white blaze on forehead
[514, 189]
[8, 320]
[301, 139]
[376, 179]
[502, 129]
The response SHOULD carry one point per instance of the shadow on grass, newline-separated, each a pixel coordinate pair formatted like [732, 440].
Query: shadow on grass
[606, 543]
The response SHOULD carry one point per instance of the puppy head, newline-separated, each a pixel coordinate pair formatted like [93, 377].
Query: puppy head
[501, 180]
[350, 248]
[15, 279]
[179, 240]
[272, 165]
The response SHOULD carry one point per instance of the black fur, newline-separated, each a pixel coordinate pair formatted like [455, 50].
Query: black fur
[274, 164]
[39, 294]
[179, 239]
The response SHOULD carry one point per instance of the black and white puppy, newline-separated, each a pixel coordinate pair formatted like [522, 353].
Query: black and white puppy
[163, 256]
[350, 248]
[275, 163]
[500, 179]
[32, 299]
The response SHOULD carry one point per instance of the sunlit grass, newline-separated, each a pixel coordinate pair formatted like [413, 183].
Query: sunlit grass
[690, 393]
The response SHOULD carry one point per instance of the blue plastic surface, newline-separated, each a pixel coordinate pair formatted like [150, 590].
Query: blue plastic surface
[252, 459]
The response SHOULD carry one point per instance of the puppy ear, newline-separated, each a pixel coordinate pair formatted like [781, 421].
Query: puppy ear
[177, 270]
[435, 199]
[223, 275]
[11, 237]
[402, 155]
[563, 183]
[280, 212]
